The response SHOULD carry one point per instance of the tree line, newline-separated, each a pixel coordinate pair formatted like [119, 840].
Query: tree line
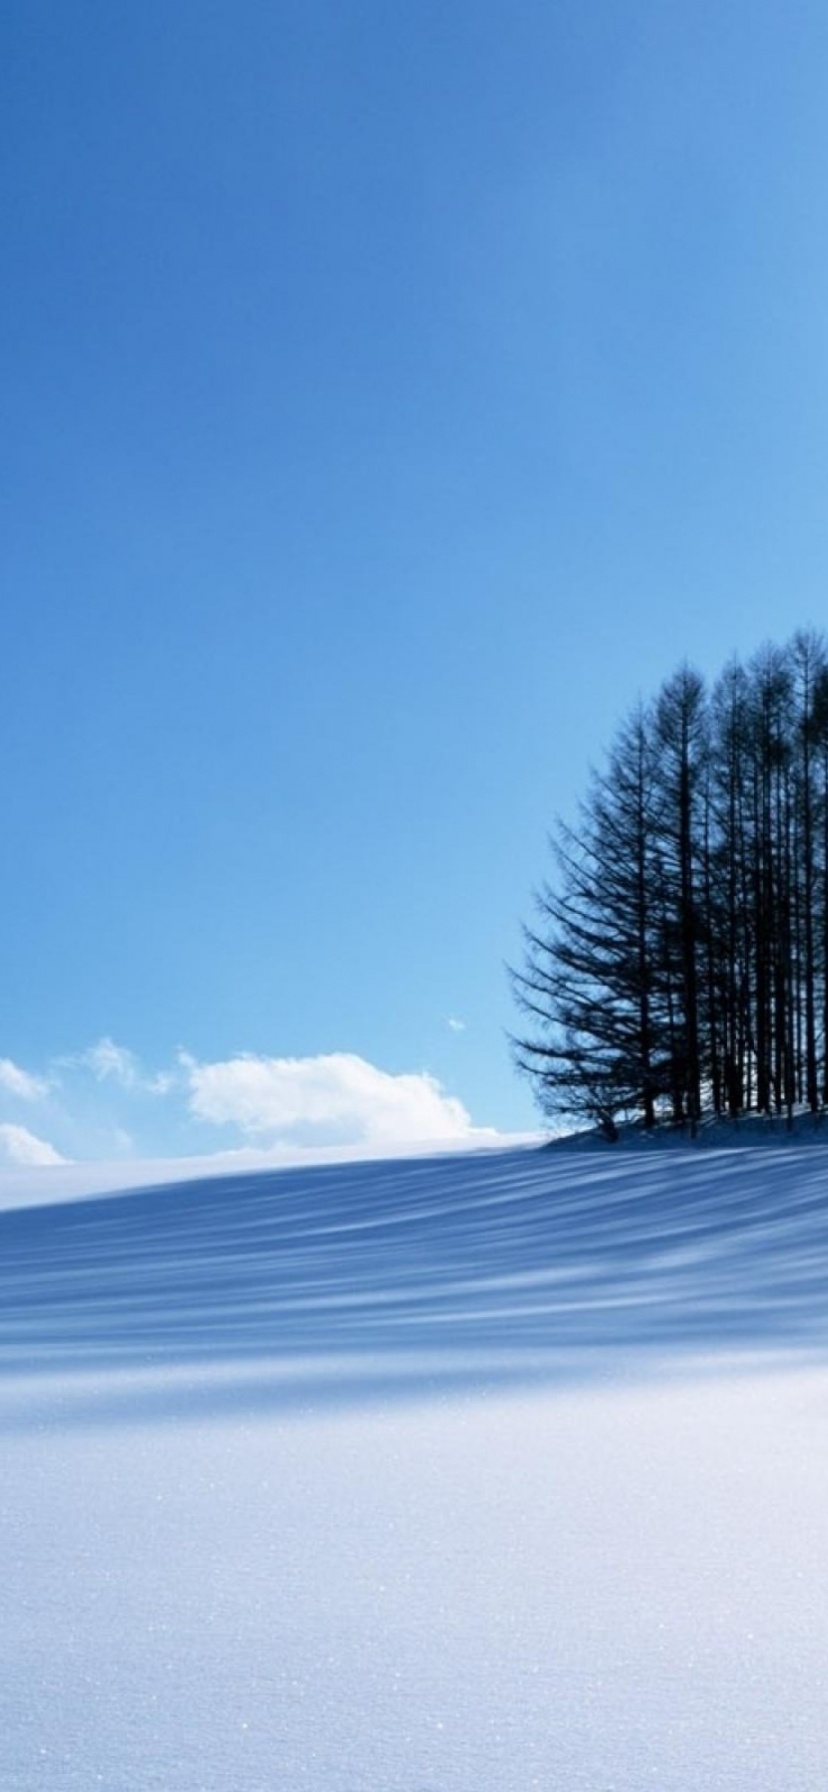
[678, 964]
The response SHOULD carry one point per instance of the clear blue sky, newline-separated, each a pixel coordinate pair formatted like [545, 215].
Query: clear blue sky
[390, 396]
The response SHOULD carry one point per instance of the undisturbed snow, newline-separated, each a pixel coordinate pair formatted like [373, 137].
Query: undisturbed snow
[607, 1575]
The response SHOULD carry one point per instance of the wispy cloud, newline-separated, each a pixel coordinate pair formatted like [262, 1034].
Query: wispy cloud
[455, 1026]
[20, 1146]
[338, 1098]
[114, 1063]
[108, 1061]
[21, 1082]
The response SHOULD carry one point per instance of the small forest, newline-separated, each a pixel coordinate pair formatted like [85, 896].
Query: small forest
[677, 966]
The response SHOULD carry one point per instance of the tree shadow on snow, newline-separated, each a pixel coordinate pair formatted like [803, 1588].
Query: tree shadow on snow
[294, 1290]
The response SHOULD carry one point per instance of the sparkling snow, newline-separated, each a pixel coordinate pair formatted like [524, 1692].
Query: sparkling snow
[475, 1475]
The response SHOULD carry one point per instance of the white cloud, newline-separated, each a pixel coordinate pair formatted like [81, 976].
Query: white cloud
[117, 1064]
[274, 1111]
[455, 1026]
[21, 1082]
[111, 1062]
[338, 1099]
[20, 1146]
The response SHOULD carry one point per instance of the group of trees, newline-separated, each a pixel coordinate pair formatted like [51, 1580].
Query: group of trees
[679, 963]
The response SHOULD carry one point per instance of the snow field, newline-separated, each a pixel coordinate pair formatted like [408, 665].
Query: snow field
[598, 1589]
[224, 1571]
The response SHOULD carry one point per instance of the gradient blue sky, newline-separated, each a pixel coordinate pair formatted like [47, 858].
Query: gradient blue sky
[390, 395]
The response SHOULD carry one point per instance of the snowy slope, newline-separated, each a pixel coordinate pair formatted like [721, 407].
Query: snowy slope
[421, 1274]
[470, 1474]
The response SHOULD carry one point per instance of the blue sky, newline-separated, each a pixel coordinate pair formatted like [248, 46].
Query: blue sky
[391, 395]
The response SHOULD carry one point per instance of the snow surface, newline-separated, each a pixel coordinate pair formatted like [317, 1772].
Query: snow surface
[476, 1474]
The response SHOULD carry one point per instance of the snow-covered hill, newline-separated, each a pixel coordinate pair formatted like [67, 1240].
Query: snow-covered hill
[471, 1474]
[460, 1270]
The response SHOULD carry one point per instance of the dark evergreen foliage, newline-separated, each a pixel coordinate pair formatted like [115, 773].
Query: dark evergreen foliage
[678, 964]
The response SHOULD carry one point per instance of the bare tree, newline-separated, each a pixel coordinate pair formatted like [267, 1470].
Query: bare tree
[678, 963]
